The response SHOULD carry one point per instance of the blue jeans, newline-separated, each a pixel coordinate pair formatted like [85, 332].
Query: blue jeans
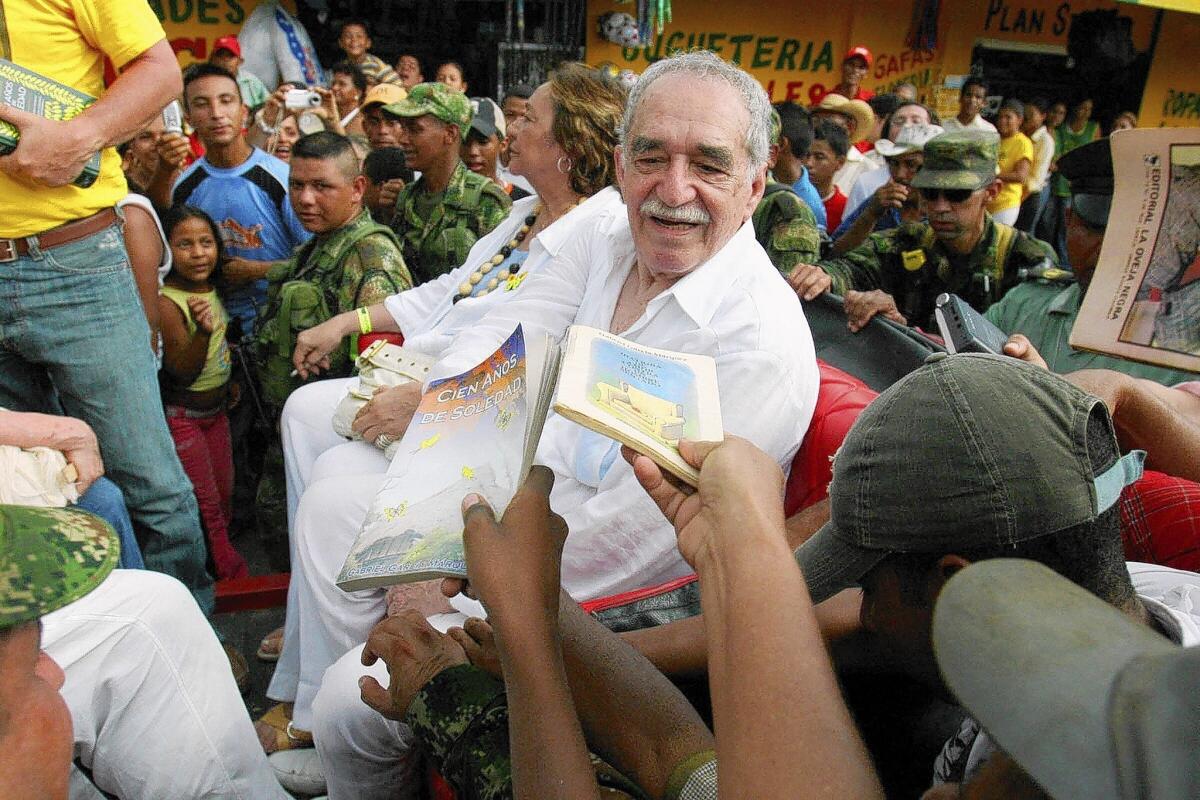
[72, 327]
[105, 500]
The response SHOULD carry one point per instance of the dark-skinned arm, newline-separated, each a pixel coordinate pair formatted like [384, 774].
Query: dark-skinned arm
[183, 353]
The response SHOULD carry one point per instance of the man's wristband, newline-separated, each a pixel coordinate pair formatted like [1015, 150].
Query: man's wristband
[364, 320]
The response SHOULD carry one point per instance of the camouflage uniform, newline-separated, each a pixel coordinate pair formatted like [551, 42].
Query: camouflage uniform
[460, 720]
[50, 557]
[1177, 326]
[438, 230]
[352, 274]
[786, 228]
[469, 207]
[910, 263]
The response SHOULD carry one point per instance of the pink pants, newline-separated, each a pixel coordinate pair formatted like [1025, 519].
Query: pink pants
[205, 451]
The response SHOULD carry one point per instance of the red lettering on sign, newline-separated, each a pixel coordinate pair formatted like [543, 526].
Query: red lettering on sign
[198, 47]
[891, 63]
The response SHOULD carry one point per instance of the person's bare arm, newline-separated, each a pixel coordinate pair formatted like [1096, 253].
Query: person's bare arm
[1018, 174]
[74, 437]
[890, 195]
[53, 153]
[514, 566]
[314, 345]
[173, 150]
[145, 249]
[1164, 422]
[783, 729]
[183, 353]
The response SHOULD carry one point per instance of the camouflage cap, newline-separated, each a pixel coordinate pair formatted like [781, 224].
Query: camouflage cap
[50, 557]
[776, 126]
[959, 160]
[436, 99]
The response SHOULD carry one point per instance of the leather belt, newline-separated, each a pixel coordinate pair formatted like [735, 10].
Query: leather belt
[12, 249]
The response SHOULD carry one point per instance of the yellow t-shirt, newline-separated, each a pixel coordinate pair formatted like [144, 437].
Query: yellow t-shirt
[67, 40]
[1012, 150]
[217, 363]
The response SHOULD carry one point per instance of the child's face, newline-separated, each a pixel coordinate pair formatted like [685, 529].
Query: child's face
[193, 250]
[821, 162]
[354, 41]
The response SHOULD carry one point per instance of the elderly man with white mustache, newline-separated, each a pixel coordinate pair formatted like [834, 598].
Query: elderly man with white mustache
[683, 272]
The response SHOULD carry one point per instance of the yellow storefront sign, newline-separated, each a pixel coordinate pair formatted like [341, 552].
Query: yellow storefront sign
[193, 25]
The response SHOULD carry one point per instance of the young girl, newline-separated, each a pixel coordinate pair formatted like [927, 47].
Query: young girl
[195, 375]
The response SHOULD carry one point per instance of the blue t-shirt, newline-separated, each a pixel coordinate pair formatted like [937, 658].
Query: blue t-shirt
[890, 218]
[811, 197]
[250, 205]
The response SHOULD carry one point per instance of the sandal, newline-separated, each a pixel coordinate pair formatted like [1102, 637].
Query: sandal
[271, 646]
[276, 732]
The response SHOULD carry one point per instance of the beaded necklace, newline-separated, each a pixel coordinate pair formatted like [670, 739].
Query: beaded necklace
[484, 273]
[488, 266]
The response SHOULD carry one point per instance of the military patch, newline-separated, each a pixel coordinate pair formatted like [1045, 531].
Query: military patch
[913, 259]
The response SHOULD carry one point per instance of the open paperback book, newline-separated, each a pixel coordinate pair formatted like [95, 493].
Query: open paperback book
[1144, 299]
[477, 433]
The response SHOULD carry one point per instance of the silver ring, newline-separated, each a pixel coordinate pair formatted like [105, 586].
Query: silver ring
[383, 440]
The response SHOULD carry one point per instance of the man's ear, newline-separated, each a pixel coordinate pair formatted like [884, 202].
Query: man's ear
[993, 189]
[619, 166]
[455, 134]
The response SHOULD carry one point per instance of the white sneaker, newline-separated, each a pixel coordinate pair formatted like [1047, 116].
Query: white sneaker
[299, 771]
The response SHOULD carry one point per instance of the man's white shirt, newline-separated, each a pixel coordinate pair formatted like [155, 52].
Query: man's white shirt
[734, 307]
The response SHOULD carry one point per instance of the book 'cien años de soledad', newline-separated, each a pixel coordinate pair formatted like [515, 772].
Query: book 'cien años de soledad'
[28, 91]
[478, 432]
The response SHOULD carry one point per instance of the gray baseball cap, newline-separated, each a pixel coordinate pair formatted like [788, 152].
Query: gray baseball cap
[967, 452]
[1089, 702]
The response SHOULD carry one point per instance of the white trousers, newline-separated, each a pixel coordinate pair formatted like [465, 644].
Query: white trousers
[322, 621]
[155, 709]
[306, 432]
[1008, 216]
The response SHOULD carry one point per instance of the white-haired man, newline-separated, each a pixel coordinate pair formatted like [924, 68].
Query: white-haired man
[682, 271]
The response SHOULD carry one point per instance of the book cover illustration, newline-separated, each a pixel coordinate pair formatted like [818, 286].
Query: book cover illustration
[468, 435]
[1143, 302]
[28, 91]
[643, 397]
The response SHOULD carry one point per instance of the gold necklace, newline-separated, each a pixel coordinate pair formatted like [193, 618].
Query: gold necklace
[468, 288]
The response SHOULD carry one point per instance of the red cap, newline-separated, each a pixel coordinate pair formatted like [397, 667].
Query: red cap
[861, 52]
[230, 43]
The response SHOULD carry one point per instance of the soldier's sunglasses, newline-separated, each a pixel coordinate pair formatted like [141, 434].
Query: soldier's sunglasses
[951, 195]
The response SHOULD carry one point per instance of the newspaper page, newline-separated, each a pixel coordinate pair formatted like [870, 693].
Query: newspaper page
[468, 435]
[1144, 299]
[643, 397]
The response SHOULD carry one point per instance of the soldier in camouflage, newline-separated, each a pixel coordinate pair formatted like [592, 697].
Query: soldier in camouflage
[351, 262]
[783, 224]
[442, 214]
[1173, 276]
[959, 248]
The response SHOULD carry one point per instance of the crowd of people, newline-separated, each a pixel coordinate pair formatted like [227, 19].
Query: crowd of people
[1009, 536]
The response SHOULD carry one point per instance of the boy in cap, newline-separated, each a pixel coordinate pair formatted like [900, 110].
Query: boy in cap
[855, 64]
[119, 667]
[959, 248]
[445, 211]
[1045, 306]
[895, 202]
[484, 143]
[382, 130]
[227, 54]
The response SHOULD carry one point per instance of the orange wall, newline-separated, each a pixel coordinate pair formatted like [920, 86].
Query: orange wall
[1172, 94]
[795, 47]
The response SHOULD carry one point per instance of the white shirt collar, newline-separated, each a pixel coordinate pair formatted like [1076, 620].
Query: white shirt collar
[702, 290]
[558, 234]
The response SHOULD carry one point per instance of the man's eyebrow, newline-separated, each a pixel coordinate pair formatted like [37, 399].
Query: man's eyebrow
[722, 156]
[644, 144]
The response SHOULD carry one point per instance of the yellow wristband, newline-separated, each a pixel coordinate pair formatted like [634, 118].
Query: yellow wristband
[364, 320]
